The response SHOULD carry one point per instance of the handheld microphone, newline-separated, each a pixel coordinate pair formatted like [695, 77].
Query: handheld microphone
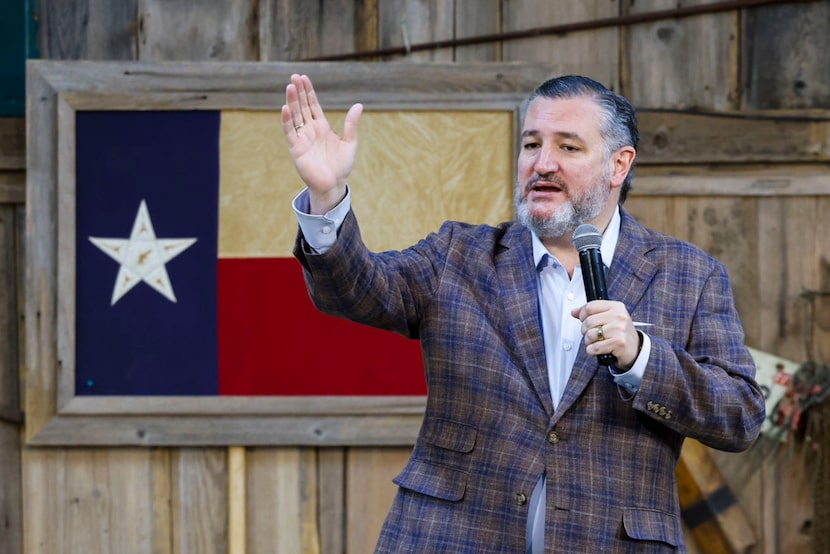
[587, 239]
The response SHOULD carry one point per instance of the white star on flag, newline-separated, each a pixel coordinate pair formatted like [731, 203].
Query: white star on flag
[142, 257]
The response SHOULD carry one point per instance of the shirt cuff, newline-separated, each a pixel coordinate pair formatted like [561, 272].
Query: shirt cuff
[320, 231]
[631, 379]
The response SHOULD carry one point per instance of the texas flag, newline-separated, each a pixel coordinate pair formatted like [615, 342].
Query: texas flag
[170, 303]
[185, 280]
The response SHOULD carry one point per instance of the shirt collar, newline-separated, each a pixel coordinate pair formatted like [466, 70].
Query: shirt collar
[609, 242]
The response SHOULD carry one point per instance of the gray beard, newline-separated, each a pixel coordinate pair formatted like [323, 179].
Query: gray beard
[565, 218]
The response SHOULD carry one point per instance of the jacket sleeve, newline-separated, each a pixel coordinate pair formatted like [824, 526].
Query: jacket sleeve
[700, 381]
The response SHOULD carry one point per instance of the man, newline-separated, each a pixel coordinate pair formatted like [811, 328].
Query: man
[527, 443]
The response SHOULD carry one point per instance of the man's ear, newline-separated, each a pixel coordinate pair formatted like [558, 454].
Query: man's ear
[622, 161]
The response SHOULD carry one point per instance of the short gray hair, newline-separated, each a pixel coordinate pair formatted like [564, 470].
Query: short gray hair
[619, 122]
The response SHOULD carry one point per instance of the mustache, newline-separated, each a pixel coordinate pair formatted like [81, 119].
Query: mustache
[550, 178]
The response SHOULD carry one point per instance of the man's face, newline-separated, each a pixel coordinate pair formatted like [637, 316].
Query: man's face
[564, 173]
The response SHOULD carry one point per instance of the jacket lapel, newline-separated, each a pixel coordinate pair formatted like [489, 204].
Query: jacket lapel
[520, 300]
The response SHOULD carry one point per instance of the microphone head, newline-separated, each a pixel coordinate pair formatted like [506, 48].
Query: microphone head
[587, 236]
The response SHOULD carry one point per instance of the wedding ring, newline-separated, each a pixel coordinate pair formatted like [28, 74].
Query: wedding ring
[600, 333]
[297, 127]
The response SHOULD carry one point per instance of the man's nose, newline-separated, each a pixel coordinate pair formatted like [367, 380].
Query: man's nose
[547, 162]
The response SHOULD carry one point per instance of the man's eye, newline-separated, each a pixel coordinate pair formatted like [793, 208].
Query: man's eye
[530, 145]
[569, 148]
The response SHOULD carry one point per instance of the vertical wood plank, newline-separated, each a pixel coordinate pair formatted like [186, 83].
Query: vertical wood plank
[88, 29]
[282, 501]
[87, 501]
[369, 493]
[11, 487]
[789, 507]
[407, 22]
[366, 26]
[218, 30]
[681, 63]
[655, 212]
[237, 508]
[590, 53]
[791, 233]
[473, 19]
[332, 499]
[295, 29]
[12, 143]
[161, 488]
[9, 268]
[200, 501]
[790, 71]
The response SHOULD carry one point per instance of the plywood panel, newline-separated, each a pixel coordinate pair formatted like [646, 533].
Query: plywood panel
[591, 53]
[217, 30]
[370, 492]
[681, 63]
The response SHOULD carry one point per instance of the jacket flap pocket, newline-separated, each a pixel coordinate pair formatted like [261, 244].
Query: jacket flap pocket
[450, 435]
[433, 480]
[653, 525]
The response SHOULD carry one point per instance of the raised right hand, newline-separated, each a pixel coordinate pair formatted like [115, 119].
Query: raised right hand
[324, 159]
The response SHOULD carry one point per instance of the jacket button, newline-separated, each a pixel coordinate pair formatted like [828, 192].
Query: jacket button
[521, 498]
[553, 437]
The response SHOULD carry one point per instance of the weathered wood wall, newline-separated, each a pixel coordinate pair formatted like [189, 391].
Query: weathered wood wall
[752, 190]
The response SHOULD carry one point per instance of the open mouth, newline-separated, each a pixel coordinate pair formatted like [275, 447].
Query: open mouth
[544, 187]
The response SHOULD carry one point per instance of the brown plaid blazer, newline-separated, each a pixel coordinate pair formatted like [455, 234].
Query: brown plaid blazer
[469, 294]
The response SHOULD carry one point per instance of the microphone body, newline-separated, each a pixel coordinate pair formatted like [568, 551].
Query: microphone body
[587, 239]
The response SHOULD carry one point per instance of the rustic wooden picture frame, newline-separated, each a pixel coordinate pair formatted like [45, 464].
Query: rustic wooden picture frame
[56, 90]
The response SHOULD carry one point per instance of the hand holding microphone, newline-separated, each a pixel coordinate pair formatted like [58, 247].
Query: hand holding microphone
[587, 240]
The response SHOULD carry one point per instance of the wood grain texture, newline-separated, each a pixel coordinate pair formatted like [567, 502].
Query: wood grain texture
[590, 53]
[12, 143]
[13, 187]
[218, 30]
[282, 497]
[86, 500]
[331, 494]
[11, 489]
[200, 501]
[370, 492]
[296, 29]
[89, 29]
[676, 137]
[681, 63]
[402, 23]
[791, 70]
[474, 19]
